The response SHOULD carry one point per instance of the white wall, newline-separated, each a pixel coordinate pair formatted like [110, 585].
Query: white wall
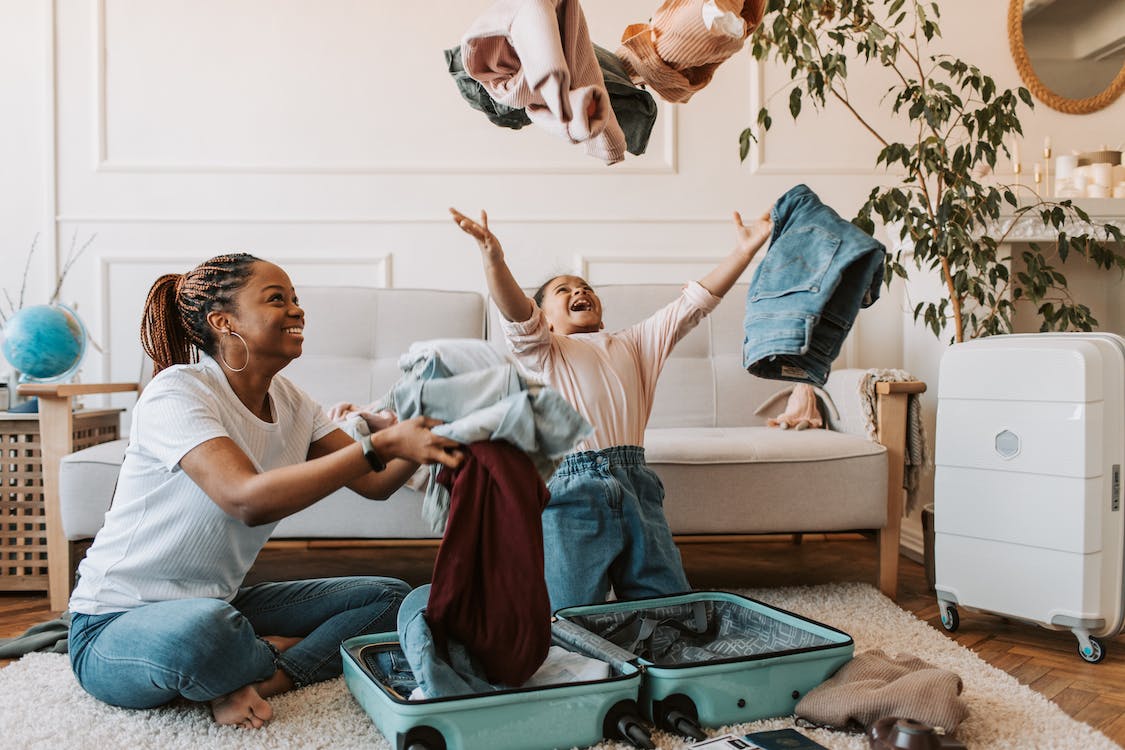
[328, 137]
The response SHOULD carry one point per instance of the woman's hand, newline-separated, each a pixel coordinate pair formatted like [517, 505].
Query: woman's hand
[415, 441]
[489, 245]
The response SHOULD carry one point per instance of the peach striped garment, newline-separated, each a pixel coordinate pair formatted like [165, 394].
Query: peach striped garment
[676, 54]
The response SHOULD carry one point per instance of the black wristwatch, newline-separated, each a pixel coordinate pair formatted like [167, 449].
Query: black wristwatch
[370, 454]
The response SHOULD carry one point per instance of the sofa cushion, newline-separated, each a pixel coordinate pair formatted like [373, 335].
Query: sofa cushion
[346, 515]
[768, 480]
[87, 479]
[354, 336]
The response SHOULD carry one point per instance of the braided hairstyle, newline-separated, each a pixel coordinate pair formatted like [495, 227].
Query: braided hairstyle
[174, 328]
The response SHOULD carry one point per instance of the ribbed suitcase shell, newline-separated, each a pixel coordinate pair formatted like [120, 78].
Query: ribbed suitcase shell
[720, 691]
[1027, 488]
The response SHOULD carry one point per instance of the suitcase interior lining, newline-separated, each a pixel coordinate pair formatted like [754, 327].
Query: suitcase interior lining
[698, 632]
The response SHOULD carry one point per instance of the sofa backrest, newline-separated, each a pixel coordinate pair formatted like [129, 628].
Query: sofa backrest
[354, 336]
[703, 383]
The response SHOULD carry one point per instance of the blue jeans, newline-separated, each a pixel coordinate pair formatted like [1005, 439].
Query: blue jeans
[441, 673]
[605, 526]
[201, 649]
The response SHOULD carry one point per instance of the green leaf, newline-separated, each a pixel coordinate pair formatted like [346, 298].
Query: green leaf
[795, 102]
[744, 139]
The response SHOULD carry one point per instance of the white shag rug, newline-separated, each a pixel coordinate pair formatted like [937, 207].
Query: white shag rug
[41, 705]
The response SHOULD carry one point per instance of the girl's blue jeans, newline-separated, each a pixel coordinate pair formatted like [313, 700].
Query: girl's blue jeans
[605, 526]
[201, 649]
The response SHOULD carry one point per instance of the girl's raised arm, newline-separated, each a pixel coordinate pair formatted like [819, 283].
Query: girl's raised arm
[505, 290]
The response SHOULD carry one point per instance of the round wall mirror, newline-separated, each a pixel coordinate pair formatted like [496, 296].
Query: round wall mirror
[1069, 53]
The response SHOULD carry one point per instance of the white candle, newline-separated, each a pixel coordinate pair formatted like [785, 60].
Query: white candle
[1047, 147]
[1102, 174]
[1038, 172]
[1016, 153]
[1065, 166]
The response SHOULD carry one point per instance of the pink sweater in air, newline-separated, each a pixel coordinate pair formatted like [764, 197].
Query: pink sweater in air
[537, 55]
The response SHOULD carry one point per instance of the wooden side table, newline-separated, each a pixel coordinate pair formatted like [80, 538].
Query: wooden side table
[33, 446]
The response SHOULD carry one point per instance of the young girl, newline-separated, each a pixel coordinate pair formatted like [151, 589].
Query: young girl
[220, 450]
[605, 524]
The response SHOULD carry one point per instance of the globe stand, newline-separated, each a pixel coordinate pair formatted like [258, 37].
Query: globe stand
[16, 402]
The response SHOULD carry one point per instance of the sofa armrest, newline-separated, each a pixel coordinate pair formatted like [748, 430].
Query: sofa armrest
[843, 388]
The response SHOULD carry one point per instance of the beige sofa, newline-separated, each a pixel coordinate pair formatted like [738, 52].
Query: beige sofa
[724, 471]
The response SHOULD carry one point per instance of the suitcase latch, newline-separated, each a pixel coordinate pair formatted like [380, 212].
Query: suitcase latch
[1115, 498]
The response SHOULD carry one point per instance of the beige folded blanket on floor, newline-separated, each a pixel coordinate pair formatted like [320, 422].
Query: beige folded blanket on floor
[873, 686]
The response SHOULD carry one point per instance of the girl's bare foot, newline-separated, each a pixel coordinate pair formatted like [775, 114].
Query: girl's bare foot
[244, 708]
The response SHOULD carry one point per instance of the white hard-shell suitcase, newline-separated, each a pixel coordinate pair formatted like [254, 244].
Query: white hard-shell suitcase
[1027, 493]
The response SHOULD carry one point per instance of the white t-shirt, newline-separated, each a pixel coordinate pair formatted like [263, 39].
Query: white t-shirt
[163, 537]
[609, 378]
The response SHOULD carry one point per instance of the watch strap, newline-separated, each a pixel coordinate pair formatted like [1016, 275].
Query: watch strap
[369, 453]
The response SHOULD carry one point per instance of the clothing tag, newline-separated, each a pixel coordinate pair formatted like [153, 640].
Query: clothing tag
[790, 371]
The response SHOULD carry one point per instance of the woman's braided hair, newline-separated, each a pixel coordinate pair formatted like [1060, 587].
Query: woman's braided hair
[174, 328]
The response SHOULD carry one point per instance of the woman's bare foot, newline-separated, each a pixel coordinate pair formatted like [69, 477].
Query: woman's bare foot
[244, 708]
[281, 642]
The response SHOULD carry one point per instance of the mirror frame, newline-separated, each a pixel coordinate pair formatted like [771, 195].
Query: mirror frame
[1038, 89]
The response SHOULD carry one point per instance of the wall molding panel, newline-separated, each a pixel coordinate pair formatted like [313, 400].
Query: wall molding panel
[664, 146]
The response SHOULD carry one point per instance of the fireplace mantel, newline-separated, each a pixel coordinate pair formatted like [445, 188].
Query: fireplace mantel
[1030, 227]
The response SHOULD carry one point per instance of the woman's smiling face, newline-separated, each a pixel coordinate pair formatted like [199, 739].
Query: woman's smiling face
[268, 315]
[571, 306]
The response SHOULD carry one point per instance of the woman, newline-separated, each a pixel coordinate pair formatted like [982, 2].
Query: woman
[220, 450]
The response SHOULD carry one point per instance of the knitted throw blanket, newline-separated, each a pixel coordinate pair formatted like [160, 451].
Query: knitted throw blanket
[917, 457]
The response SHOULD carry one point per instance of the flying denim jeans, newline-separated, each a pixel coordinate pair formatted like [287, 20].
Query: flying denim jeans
[201, 649]
[605, 526]
[804, 296]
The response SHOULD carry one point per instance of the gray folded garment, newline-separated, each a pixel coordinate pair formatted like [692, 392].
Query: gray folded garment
[873, 686]
[50, 637]
[634, 108]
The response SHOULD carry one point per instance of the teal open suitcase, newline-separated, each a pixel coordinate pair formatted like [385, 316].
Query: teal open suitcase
[702, 659]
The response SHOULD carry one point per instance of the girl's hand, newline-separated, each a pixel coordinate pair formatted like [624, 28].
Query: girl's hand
[489, 245]
[379, 420]
[341, 410]
[751, 237]
[415, 441]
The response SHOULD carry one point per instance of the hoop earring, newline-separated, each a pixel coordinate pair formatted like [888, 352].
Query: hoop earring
[223, 359]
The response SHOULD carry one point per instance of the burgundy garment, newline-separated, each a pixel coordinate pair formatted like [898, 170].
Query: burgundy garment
[488, 590]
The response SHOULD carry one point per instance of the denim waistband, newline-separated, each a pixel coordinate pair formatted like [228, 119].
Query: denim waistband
[617, 455]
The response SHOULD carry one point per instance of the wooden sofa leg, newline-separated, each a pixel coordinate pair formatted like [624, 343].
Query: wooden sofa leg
[891, 416]
[888, 542]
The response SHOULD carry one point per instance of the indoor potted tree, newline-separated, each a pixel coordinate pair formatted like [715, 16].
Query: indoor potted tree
[949, 214]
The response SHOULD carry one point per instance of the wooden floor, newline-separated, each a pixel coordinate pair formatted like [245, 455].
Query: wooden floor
[1045, 660]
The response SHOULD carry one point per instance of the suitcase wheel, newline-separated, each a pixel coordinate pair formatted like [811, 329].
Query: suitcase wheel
[949, 618]
[421, 738]
[623, 722]
[678, 714]
[1092, 651]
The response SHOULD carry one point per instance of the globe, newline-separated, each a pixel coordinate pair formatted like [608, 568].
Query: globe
[44, 342]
